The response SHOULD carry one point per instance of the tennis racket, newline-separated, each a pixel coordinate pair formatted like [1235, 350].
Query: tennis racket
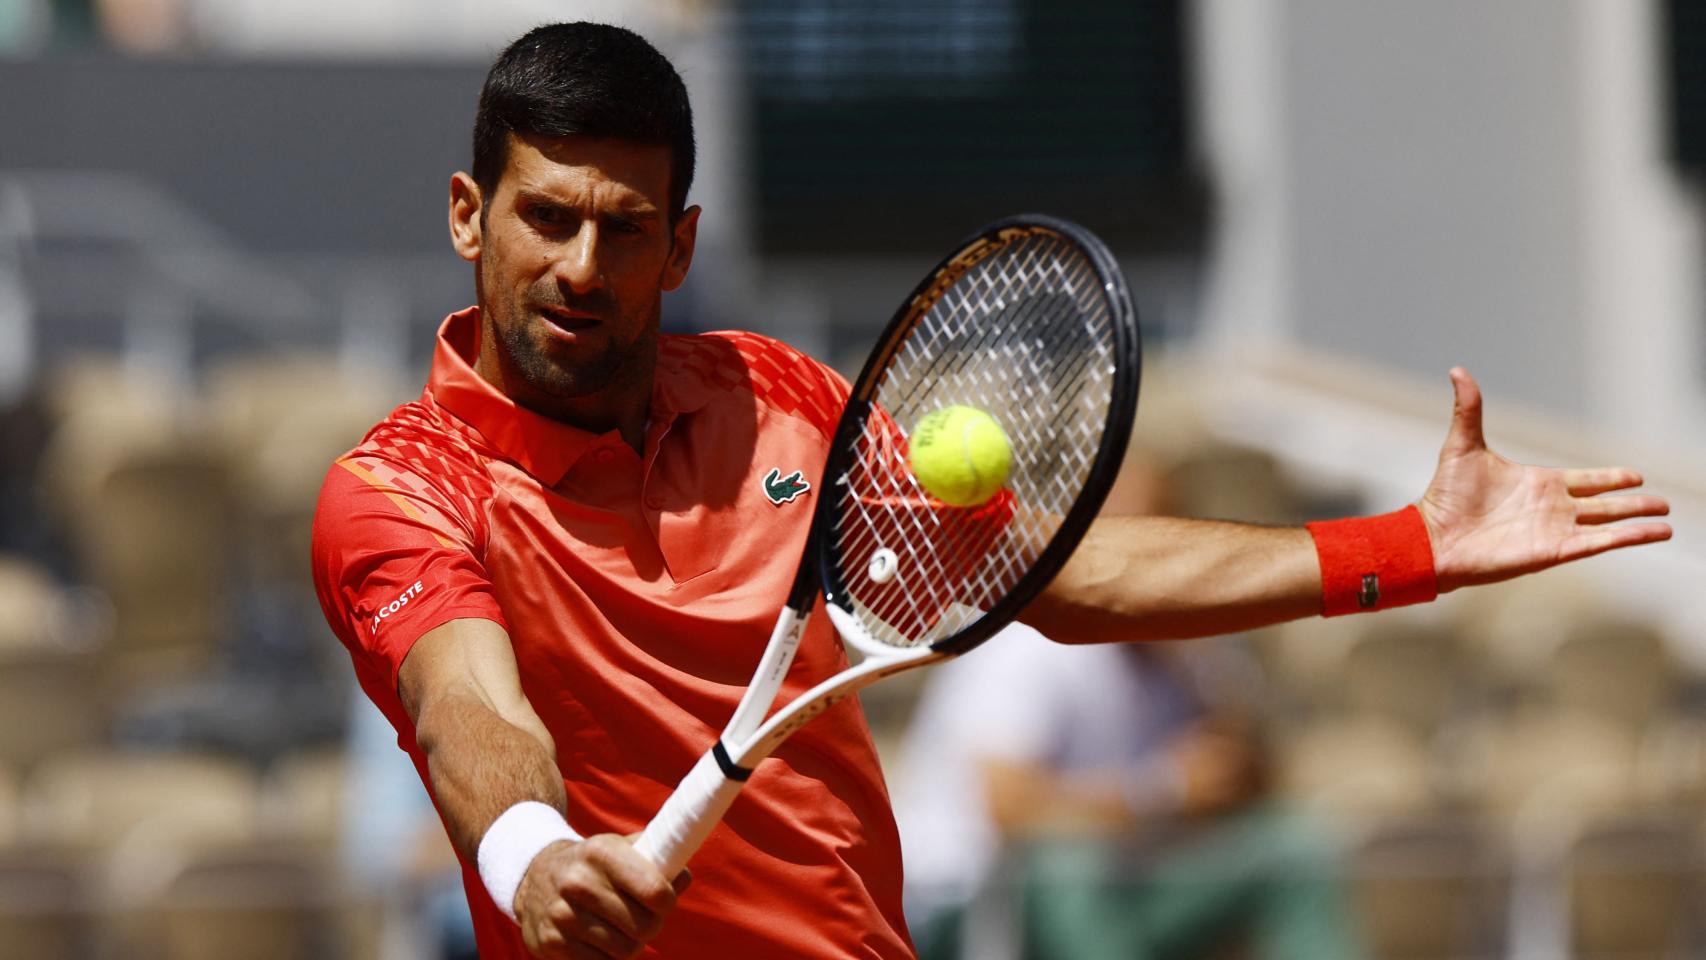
[1029, 321]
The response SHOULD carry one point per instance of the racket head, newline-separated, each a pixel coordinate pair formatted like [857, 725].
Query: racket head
[1030, 320]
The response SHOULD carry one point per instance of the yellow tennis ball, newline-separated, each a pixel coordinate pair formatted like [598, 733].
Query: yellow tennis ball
[960, 455]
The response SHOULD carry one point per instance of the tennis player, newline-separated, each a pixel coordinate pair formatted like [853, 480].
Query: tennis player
[555, 570]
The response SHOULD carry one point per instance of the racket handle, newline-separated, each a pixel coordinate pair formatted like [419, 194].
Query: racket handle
[688, 816]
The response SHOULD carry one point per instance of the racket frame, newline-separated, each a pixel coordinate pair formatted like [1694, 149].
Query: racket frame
[1122, 412]
[699, 801]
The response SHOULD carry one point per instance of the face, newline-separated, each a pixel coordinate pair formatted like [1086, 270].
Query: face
[574, 250]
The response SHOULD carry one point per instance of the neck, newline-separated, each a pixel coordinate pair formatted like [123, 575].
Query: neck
[622, 406]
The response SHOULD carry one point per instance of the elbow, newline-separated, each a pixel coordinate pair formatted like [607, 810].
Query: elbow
[452, 716]
[1071, 616]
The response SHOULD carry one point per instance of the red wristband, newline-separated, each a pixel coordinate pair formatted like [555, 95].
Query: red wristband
[1374, 563]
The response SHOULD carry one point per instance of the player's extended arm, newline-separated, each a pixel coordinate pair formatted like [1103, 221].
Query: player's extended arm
[1486, 518]
[487, 750]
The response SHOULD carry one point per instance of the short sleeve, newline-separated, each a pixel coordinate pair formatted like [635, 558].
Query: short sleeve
[393, 558]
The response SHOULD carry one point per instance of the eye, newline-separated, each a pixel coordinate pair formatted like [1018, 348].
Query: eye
[548, 215]
[624, 225]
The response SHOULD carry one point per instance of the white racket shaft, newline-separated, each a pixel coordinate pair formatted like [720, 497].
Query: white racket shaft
[688, 816]
[704, 795]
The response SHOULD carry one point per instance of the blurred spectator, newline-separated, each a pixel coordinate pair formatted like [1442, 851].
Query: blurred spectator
[1134, 808]
[1125, 785]
[23, 25]
[73, 22]
[385, 28]
[145, 27]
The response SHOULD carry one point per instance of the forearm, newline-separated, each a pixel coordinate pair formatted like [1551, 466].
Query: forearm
[1154, 578]
[480, 765]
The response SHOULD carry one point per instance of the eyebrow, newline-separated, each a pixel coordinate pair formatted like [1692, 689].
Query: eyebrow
[641, 207]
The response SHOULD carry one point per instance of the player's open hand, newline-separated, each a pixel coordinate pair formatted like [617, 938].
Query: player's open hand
[594, 898]
[1492, 519]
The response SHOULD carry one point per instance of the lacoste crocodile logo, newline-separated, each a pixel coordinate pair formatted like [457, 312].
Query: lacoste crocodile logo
[782, 489]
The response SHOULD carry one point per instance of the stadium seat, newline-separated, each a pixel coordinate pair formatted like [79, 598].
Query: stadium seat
[10, 815]
[32, 607]
[1358, 770]
[1511, 629]
[46, 908]
[1305, 662]
[1554, 765]
[133, 804]
[49, 703]
[1219, 480]
[1407, 672]
[304, 798]
[1431, 888]
[279, 421]
[155, 538]
[257, 903]
[1616, 668]
[102, 411]
[1635, 888]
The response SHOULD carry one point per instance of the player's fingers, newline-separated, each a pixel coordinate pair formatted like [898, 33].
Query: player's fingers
[1466, 431]
[631, 893]
[1593, 510]
[635, 877]
[600, 936]
[1601, 539]
[595, 908]
[547, 942]
[1587, 481]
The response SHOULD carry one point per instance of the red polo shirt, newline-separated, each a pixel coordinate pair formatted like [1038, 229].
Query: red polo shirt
[638, 591]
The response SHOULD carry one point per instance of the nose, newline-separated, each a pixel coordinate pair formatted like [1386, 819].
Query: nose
[577, 263]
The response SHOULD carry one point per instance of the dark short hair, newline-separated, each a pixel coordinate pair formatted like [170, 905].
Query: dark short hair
[584, 78]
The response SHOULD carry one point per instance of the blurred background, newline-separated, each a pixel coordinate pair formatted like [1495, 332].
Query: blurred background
[223, 256]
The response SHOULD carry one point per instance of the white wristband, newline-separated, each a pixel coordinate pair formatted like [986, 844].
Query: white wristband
[511, 843]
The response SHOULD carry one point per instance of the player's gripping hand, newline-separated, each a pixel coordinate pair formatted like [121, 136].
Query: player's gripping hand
[593, 898]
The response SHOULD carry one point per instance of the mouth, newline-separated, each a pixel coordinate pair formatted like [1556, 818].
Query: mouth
[567, 321]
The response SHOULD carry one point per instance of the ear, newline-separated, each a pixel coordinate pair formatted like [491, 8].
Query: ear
[466, 202]
[686, 231]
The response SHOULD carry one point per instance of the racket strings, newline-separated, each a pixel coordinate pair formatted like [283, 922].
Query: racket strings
[957, 311]
[1027, 336]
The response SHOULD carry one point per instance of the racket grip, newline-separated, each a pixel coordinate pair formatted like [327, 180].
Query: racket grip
[688, 816]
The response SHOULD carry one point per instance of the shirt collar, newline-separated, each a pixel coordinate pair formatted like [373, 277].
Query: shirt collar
[544, 447]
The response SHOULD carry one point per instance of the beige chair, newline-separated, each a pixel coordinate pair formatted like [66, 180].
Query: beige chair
[103, 412]
[46, 905]
[279, 421]
[1222, 481]
[1304, 661]
[156, 539]
[11, 814]
[50, 703]
[1431, 889]
[1635, 888]
[33, 610]
[1511, 629]
[1557, 766]
[304, 798]
[1617, 668]
[1407, 672]
[257, 903]
[126, 805]
[1358, 771]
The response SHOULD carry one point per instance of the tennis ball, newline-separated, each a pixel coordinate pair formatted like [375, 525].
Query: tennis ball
[960, 455]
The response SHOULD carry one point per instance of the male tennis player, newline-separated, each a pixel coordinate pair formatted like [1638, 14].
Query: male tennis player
[555, 570]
